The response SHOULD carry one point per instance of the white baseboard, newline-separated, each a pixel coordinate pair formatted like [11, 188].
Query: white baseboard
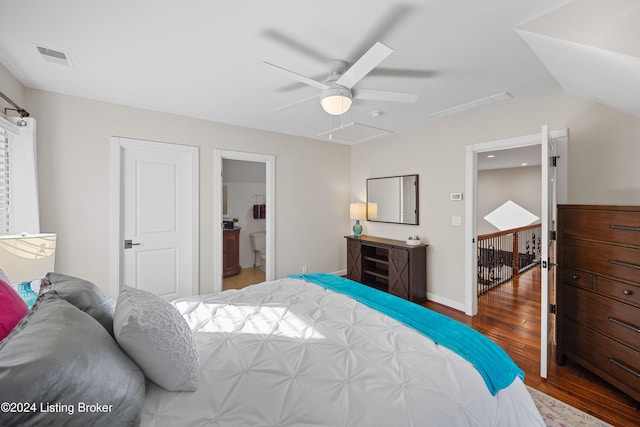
[444, 301]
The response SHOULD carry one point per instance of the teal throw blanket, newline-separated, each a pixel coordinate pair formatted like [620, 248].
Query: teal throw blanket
[491, 361]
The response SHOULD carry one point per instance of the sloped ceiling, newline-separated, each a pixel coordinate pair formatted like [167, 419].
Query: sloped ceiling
[592, 48]
[204, 59]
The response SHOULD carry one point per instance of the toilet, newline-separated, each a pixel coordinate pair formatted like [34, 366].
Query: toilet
[258, 242]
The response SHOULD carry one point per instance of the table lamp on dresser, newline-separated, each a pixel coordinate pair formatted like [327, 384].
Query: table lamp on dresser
[357, 211]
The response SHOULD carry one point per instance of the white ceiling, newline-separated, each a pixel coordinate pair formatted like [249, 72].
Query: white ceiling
[203, 58]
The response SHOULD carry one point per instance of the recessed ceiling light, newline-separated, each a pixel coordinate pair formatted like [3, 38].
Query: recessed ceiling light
[524, 164]
[491, 156]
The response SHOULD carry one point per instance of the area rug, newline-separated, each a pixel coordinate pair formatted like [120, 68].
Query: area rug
[559, 414]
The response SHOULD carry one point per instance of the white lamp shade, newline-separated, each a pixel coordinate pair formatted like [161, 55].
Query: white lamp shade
[357, 211]
[372, 210]
[27, 257]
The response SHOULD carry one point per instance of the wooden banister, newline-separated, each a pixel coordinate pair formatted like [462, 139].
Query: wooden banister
[500, 257]
[507, 232]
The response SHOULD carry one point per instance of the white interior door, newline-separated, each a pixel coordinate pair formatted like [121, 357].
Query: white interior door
[158, 239]
[548, 209]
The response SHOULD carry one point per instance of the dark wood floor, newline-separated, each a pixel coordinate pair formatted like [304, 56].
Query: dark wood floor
[510, 316]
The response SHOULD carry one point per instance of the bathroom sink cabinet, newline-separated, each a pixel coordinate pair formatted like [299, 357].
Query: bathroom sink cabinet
[231, 252]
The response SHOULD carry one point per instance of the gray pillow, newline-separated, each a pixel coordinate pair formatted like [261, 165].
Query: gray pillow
[154, 334]
[58, 361]
[84, 295]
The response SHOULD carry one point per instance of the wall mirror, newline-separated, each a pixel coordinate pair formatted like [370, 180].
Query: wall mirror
[393, 199]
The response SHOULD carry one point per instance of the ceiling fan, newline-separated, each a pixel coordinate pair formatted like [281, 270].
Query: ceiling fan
[337, 90]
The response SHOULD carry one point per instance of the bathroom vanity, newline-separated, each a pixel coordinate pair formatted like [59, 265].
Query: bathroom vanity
[231, 251]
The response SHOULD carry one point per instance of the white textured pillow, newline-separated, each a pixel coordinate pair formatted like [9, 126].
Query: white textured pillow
[154, 334]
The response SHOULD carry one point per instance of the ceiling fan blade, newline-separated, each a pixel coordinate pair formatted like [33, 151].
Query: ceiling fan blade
[294, 103]
[296, 76]
[384, 95]
[293, 43]
[405, 74]
[367, 62]
[396, 16]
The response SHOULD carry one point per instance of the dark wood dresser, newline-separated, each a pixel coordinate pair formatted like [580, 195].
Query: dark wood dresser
[598, 295]
[388, 265]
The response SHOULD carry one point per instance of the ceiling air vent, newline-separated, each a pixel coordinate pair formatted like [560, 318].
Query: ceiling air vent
[54, 56]
[502, 96]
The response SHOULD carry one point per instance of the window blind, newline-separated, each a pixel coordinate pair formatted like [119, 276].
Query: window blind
[5, 204]
[18, 181]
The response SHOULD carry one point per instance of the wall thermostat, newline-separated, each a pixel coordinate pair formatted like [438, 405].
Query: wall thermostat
[456, 196]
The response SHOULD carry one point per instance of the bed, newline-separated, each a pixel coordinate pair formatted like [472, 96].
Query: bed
[312, 350]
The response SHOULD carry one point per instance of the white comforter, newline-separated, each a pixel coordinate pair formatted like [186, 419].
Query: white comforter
[290, 353]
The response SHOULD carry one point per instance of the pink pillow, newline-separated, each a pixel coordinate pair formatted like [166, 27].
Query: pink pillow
[12, 310]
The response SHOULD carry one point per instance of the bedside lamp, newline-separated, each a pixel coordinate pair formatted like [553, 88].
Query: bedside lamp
[27, 257]
[357, 211]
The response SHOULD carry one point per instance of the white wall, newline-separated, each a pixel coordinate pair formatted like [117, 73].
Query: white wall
[73, 168]
[603, 157]
[73, 137]
[12, 88]
[494, 187]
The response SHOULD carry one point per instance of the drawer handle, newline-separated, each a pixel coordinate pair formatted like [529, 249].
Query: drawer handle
[625, 367]
[627, 292]
[624, 227]
[624, 325]
[624, 264]
[575, 276]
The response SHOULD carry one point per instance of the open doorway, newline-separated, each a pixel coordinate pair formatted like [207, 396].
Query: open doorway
[554, 157]
[240, 200]
[244, 218]
[508, 218]
[471, 208]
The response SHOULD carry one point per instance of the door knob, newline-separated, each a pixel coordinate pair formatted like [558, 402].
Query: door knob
[128, 244]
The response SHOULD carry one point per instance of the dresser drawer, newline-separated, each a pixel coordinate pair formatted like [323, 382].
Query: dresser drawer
[618, 290]
[616, 261]
[578, 278]
[617, 363]
[607, 226]
[618, 320]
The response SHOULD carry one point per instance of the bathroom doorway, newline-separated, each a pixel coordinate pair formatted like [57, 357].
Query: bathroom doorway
[244, 219]
[244, 199]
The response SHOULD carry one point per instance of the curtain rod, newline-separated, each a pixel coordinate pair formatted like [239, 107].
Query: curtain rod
[23, 113]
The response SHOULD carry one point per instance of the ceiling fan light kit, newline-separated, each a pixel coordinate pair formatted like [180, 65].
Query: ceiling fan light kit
[336, 94]
[336, 100]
